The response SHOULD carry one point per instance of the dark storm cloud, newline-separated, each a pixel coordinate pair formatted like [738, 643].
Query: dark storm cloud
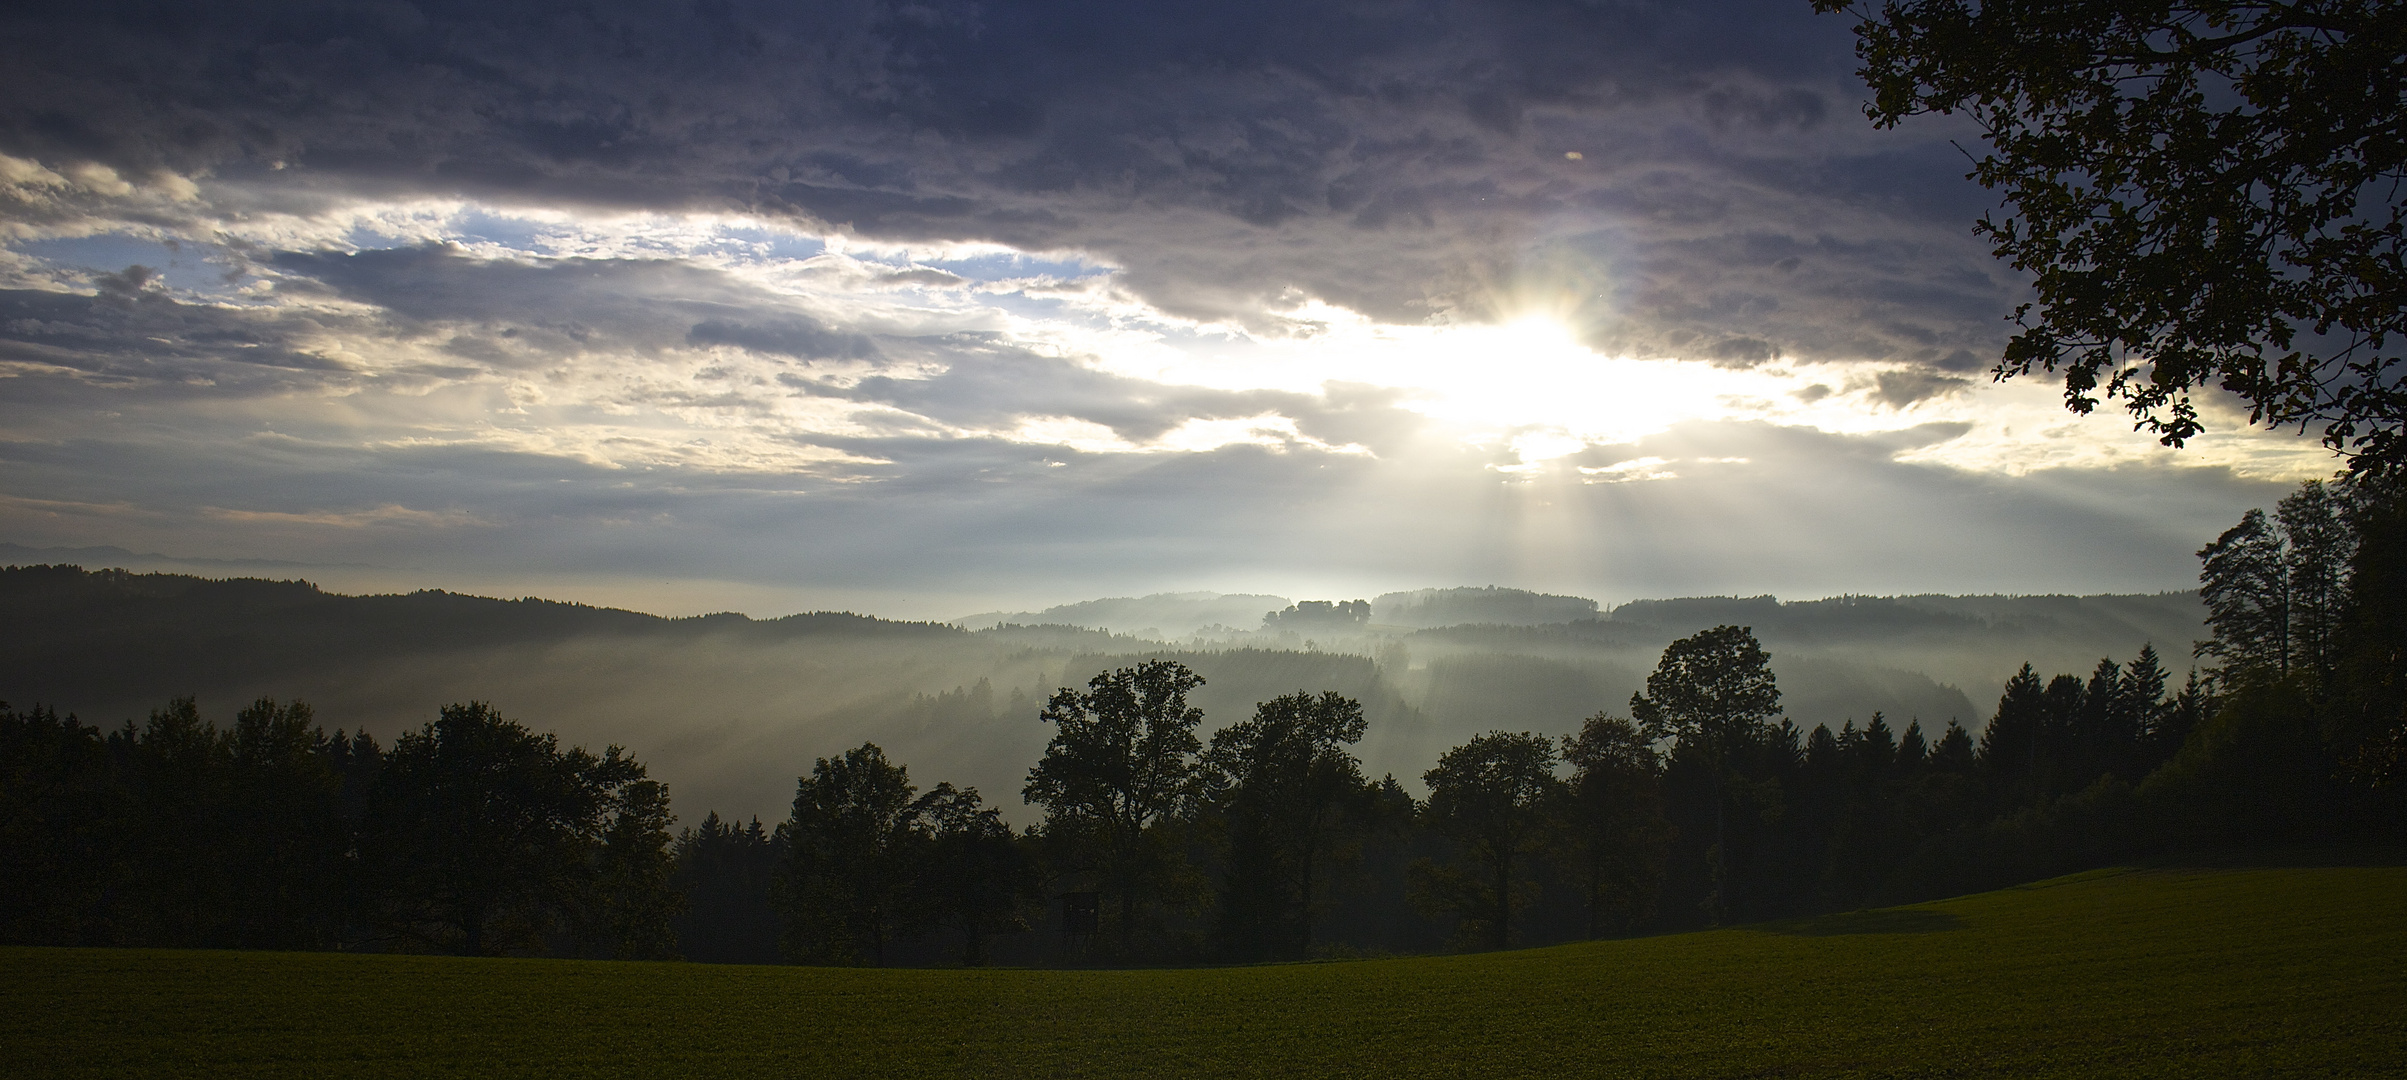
[574, 305]
[131, 333]
[1403, 159]
[1898, 389]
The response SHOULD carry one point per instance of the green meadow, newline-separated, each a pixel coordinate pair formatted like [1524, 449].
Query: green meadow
[2131, 972]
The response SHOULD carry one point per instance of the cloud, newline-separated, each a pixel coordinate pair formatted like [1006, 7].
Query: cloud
[1601, 297]
[1899, 389]
[1407, 160]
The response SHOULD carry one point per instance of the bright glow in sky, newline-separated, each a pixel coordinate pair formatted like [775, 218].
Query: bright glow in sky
[680, 359]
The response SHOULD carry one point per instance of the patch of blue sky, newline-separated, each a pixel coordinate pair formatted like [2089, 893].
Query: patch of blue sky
[1048, 308]
[1004, 265]
[185, 266]
[479, 226]
[773, 244]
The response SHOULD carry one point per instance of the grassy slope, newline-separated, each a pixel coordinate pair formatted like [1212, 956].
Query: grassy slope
[2132, 973]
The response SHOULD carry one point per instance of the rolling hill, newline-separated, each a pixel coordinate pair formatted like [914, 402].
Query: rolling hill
[2163, 971]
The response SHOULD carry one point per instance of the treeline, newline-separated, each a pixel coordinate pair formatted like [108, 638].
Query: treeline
[472, 835]
[1697, 804]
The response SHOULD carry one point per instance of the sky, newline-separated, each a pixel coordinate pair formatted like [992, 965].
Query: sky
[936, 307]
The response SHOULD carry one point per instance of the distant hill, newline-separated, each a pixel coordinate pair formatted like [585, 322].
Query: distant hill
[1455, 607]
[1160, 616]
[729, 709]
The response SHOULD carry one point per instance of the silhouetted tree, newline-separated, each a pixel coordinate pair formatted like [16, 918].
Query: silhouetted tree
[1122, 758]
[286, 836]
[2204, 192]
[1491, 796]
[61, 829]
[1954, 754]
[483, 837]
[1614, 832]
[636, 899]
[1711, 692]
[2245, 580]
[2319, 544]
[1283, 780]
[724, 872]
[855, 846]
[180, 887]
[2370, 719]
[974, 869]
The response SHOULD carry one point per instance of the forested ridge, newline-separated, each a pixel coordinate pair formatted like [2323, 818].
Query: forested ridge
[1162, 839]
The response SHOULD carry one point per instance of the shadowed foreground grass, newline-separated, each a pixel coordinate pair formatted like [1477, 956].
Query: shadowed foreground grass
[2128, 972]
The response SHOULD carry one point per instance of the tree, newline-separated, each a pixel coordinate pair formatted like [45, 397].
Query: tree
[1122, 758]
[2244, 578]
[2276, 596]
[2204, 192]
[2372, 714]
[855, 846]
[2319, 543]
[1283, 779]
[1712, 693]
[974, 868]
[1614, 830]
[2106, 728]
[60, 828]
[636, 900]
[2011, 743]
[2142, 691]
[483, 837]
[725, 873]
[1491, 795]
[1954, 754]
[285, 834]
[181, 889]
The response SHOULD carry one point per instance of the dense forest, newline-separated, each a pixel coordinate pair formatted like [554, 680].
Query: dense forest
[727, 709]
[1163, 840]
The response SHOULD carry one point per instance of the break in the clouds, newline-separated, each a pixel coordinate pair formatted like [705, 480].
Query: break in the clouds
[1019, 301]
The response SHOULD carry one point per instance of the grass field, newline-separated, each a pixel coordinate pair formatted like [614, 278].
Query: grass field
[2162, 972]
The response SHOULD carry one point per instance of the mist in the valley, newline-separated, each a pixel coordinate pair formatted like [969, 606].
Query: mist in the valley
[729, 710]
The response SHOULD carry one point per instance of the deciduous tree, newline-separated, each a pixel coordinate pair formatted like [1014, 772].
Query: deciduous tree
[855, 848]
[1711, 692]
[1283, 779]
[2204, 192]
[1122, 758]
[1614, 831]
[1492, 796]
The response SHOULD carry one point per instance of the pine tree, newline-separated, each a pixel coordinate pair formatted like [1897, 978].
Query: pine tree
[2010, 745]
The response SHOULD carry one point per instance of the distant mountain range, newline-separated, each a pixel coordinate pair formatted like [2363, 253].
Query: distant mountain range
[729, 709]
[21, 555]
